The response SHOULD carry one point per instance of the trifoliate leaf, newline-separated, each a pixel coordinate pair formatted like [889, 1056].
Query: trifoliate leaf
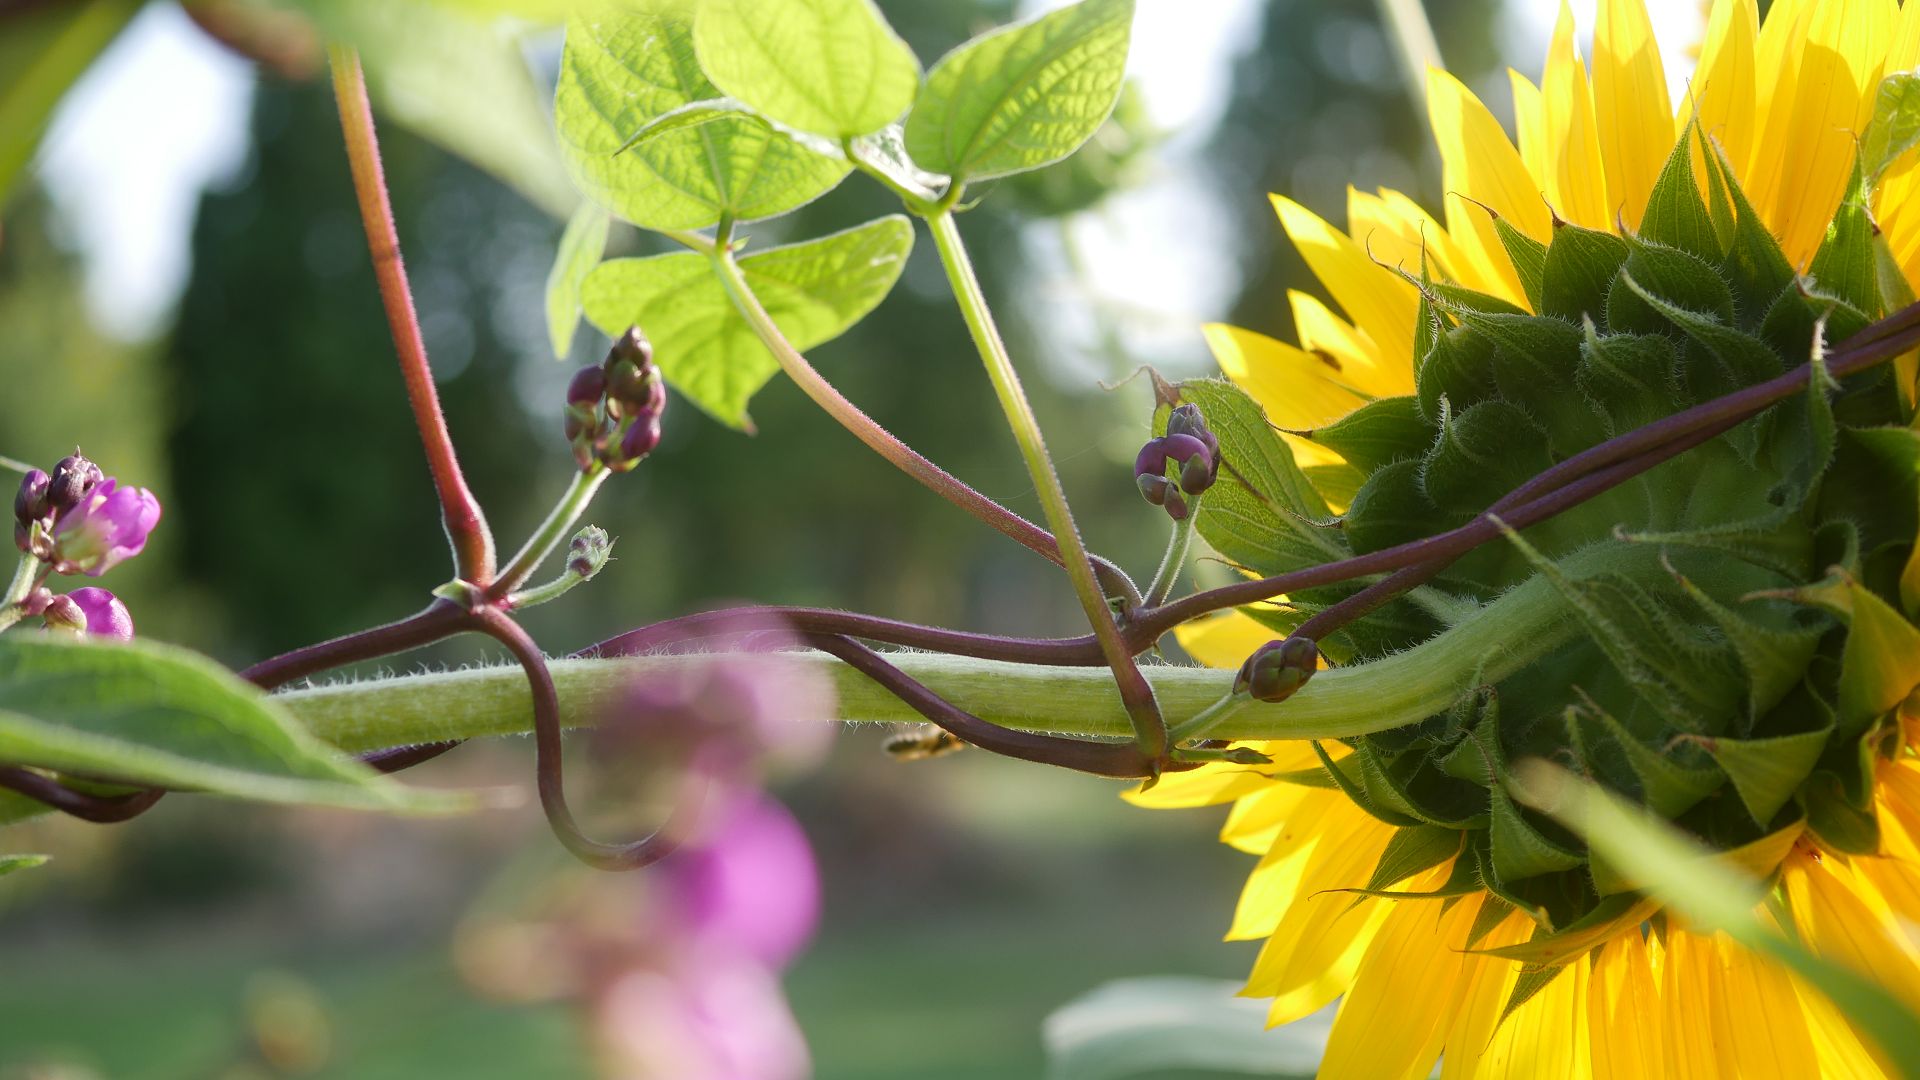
[1023, 96]
[581, 246]
[832, 67]
[622, 67]
[814, 292]
[152, 714]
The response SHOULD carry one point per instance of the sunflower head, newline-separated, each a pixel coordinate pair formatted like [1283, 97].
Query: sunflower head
[1718, 638]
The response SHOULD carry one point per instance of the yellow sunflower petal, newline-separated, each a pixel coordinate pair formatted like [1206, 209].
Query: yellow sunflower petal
[1841, 1054]
[1338, 833]
[1529, 122]
[1256, 820]
[1487, 983]
[1381, 304]
[1576, 176]
[1722, 89]
[1809, 139]
[1224, 639]
[1453, 258]
[1686, 1015]
[1321, 331]
[1209, 785]
[1295, 387]
[1781, 36]
[1381, 1030]
[1547, 1036]
[1623, 1009]
[1318, 941]
[1759, 1028]
[1481, 164]
[1839, 924]
[1630, 104]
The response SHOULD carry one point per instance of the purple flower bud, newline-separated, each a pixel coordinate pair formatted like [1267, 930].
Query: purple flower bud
[1176, 506]
[589, 385]
[30, 503]
[636, 443]
[1277, 669]
[632, 345]
[1153, 488]
[73, 478]
[1183, 448]
[109, 525]
[1151, 460]
[105, 615]
[1186, 420]
[1197, 474]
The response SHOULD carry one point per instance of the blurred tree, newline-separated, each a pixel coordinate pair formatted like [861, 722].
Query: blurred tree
[1320, 102]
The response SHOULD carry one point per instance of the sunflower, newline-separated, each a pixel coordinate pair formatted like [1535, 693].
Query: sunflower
[1737, 651]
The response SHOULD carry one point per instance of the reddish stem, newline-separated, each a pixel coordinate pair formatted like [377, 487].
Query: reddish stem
[548, 765]
[460, 512]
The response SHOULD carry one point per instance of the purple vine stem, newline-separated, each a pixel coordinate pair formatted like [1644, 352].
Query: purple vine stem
[548, 765]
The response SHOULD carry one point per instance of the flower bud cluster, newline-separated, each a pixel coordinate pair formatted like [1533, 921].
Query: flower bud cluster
[77, 520]
[1277, 669]
[613, 409]
[1185, 459]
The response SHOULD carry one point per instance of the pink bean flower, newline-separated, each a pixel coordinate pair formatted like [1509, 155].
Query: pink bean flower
[109, 525]
[106, 616]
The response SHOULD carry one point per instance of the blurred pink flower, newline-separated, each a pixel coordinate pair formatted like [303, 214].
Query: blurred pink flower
[751, 885]
[707, 1020]
[733, 715]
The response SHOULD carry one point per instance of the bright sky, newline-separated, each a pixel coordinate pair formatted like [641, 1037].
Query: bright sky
[164, 114]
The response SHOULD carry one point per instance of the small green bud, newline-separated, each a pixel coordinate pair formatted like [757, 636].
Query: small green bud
[1278, 669]
[589, 551]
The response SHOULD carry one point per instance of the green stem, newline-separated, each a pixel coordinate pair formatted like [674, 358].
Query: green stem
[1508, 634]
[541, 594]
[12, 610]
[551, 532]
[1175, 558]
[1149, 729]
[1199, 724]
[12, 465]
